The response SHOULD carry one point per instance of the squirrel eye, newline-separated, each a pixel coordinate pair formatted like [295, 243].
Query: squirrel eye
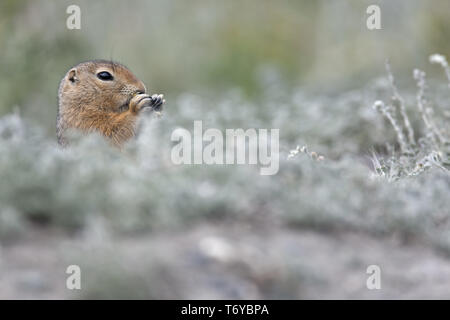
[105, 76]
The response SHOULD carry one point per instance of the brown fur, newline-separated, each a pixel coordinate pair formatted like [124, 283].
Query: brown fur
[89, 104]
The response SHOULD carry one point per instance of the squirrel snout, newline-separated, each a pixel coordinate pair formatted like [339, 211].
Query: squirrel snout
[133, 90]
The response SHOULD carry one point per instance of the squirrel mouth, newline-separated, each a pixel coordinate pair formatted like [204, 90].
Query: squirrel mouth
[124, 107]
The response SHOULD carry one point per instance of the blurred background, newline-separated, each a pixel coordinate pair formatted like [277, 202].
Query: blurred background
[140, 227]
[210, 46]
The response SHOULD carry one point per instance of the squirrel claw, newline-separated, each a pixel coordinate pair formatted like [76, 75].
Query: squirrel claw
[157, 102]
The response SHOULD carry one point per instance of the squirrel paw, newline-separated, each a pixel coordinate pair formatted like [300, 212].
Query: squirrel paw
[157, 102]
[143, 100]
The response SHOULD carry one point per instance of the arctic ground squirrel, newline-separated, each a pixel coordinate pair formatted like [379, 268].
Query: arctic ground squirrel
[105, 97]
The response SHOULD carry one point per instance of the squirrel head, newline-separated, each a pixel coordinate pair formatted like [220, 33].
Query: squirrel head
[99, 84]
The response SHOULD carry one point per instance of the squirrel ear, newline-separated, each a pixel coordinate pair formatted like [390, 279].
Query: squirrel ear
[72, 75]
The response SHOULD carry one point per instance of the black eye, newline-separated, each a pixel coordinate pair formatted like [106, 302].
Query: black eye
[105, 76]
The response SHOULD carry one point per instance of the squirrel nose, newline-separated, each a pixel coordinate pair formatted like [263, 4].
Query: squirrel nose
[137, 91]
[140, 88]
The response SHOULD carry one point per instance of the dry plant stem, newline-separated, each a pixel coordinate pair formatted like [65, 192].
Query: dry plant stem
[442, 61]
[398, 130]
[401, 103]
[419, 76]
